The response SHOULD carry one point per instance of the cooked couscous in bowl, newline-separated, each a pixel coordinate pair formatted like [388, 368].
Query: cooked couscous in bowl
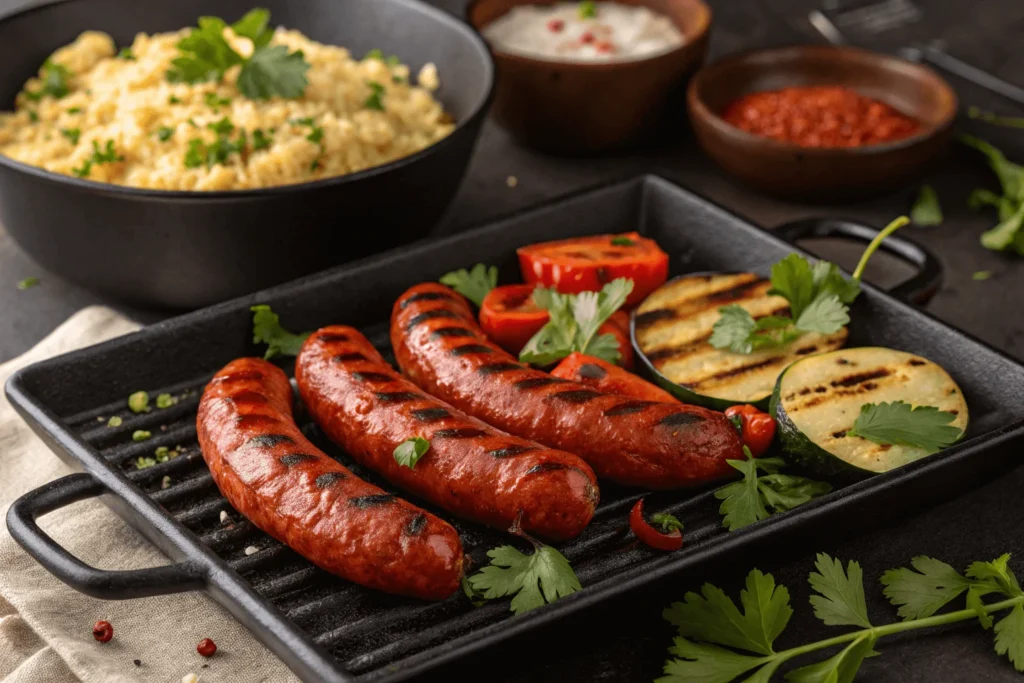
[220, 107]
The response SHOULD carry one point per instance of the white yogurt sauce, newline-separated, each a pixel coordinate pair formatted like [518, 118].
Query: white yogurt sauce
[560, 32]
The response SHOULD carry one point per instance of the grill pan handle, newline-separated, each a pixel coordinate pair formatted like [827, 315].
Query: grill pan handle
[99, 583]
[919, 289]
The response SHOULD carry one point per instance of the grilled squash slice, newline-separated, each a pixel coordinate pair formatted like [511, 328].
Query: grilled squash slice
[817, 400]
[672, 326]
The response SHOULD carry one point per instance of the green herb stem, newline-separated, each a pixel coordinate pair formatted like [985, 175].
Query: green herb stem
[876, 243]
[996, 119]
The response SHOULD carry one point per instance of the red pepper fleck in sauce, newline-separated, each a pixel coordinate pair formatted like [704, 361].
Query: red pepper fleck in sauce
[820, 116]
[587, 37]
[556, 25]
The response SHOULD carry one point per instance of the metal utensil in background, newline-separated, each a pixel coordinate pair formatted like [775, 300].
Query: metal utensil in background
[859, 20]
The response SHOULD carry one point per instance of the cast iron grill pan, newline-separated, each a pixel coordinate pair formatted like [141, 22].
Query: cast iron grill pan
[328, 629]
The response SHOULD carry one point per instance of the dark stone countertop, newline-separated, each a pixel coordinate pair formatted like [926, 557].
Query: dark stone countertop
[627, 642]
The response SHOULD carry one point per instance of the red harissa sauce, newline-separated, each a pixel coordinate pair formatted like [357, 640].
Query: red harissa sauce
[821, 116]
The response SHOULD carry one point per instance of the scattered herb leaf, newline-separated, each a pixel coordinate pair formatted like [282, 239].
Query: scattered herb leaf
[141, 435]
[588, 10]
[126, 54]
[409, 452]
[926, 210]
[115, 421]
[164, 133]
[55, 83]
[166, 401]
[899, 423]
[28, 283]
[535, 580]
[981, 275]
[266, 329]
[72, 134]
[375, 101]
[473, 284]
[139, 402]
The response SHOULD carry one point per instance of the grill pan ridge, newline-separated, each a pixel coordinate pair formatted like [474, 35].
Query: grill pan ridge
[326, 629]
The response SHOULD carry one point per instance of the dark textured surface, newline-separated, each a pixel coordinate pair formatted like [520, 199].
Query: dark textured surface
[978, 525]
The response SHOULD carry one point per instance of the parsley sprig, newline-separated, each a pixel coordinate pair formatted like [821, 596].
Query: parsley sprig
[575, 320]
[1007, 233]
[718, 643]
[270, 71]
[266, 329]
[819, 298]
[473, 284]
[55, 82]
[409, 452]
[757, 496]
[899, 423]
[926, 210]
[105, 155]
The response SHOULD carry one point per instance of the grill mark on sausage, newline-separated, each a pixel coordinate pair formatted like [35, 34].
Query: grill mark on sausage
[535, 382]
[376, 500]
[471, 348]
[459, 433]
[250, 397]
[293, 459]
[427, 296]
[510, 451]
[451, 332]
[628, 408]
[650, 317]
[347, 357]
[269, 440]
[239, 376]
[328, 479]
[397, 396]
[432, 315]
[861, 377]
[680, 419]
[547, 467]
[249, 421]
[330, 337]
[416, 525]
[372, 377]
[495, 368]
[592, 371]
[576, 396]
[430, 414]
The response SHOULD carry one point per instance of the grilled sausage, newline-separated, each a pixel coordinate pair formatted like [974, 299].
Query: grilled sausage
[439, 346]
[302, 497]
[609, 378]
[471, 469]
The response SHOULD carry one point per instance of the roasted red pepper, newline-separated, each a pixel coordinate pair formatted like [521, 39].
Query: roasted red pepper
[509, 316]
[670, 539]
[757, 429]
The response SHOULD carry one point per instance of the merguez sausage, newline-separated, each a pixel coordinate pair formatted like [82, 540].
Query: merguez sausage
[440, 347]
[470, 469]
[302, 497]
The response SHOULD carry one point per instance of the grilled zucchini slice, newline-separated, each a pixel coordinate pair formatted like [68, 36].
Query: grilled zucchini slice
[672, 326]
[817, 400]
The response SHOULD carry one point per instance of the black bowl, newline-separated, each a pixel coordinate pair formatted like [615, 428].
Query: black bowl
[190, 249]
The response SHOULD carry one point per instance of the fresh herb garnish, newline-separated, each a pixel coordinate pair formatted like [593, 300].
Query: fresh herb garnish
[33, 117]
[316, 136]
[819, 298]
[166, 401]
[126, 54]
[260, 140]
[926, 210]
[115, 421]
[163, 453]
[409, 452]
[712, 628]
[266, 329]
[144, 462]
[164, 133]
[666, 522]
[535, 580]
[981, 275]
[75, 110]
[173, 99]
[217, 152]
[375, 101]
[215, 102]
[55, 83]
[1010, 205]
[575, 319]
[28, 283]
[899, 423]
[141, 435]
[222, 127]
[621, 241]
[107, 155]
[757, 496]
[588, 10]
[139, 402]
[195, 155]
[996, 119]
[270, 71]
[473, 284]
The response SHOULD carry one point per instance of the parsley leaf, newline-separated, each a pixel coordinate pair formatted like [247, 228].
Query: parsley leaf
[588, 10]
[793, 280]
[668, 523]
[273, 71]
[825, 315]
[126, 54]
[215, 102]
[535, 580]
[107, 155]
[1010, 637]
[921, 593]
[254, 26]
[713, 617]
[841, 668]
[375, 101]
[924, 427]
[738, 331]
[1007, 233]
[926, 210]
[55, 82]
[164, 133]
[72, 134]
[195, 155]
[574, 322]
[222, 127]
[409, 452]
[206, 55]
[996, 573]
[173, 99]
[266, 329]
[473, 284]
[748, 500]
[706, 663]
[261, 140]
[841, 602]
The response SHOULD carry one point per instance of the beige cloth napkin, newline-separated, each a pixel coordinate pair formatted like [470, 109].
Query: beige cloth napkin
[46, 627]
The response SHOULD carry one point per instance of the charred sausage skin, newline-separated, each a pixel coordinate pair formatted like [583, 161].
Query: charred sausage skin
[304, 498]
[471, 469]
[440, 347]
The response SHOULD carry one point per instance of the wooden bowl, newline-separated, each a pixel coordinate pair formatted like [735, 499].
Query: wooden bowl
[816, 174]
[590, 107]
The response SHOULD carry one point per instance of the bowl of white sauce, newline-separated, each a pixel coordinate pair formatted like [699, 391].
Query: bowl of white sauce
[582, 77]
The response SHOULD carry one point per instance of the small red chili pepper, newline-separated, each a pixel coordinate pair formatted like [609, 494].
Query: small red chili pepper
[587, 37]
[757, 429]
[102, 631]
[673, 540]
[605, 46]
[206, 647]
[556, 25]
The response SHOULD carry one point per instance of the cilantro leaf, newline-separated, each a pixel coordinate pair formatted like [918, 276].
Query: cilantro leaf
[748, 500]
[974, 602]
[273, 71]
[997, 574]
[793, 280]
[713, 617]
[1005, 233]
[254, 26]
[926, 210]
[375, 101]
[588, 9]
[785, 491]
[28, 283]
[668, 523]
[473, 284]
[206, 55]
[841, 600]
[1010, 637]
[409, 452]
[1011, 175]
[706, 663]
[535, 580]
[924, 427]
[742, 504]
[922, 593]
[825, 315]
[55, 82]
[738, 331]
[841, 668]
[266, 329]
[72, 134]
[828, 279]
[126, 54]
